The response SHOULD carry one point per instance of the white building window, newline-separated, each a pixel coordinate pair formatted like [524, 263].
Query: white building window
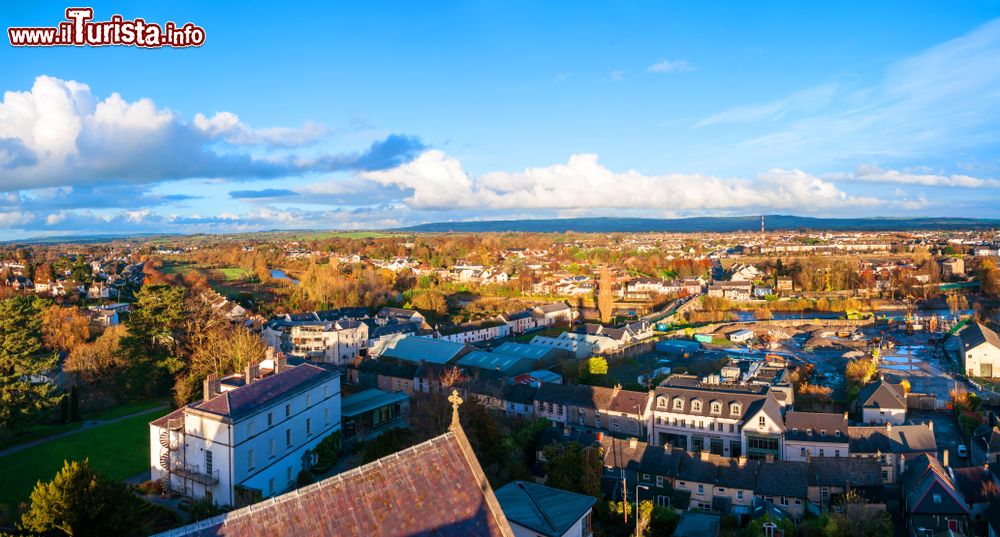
[208, 462]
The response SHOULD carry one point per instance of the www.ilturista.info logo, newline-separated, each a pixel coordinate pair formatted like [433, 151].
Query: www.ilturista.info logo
[79, 29]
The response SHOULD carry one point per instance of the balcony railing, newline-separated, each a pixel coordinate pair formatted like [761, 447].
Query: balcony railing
[194, 472]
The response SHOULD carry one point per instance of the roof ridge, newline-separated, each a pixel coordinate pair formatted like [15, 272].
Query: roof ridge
[534, 506]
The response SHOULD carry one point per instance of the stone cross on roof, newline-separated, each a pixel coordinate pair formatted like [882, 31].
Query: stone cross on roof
[455, 400]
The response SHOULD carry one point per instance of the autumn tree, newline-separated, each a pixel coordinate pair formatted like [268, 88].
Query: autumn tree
[22, 360]
[64, 328]
[99, 363]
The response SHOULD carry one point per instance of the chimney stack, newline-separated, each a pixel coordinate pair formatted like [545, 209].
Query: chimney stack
[633, 442]
[703, 455]
[600, 436]
[211, 387]
[888, 426]
[930, 425]
[251, 373]
[281, 363]
[944, 458]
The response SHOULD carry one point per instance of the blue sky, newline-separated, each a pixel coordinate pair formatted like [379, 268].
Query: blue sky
[383, 114]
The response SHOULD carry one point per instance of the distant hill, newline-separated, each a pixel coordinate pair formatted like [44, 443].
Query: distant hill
[720, 224]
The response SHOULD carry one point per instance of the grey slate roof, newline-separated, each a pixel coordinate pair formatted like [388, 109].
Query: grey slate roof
[881, 394]
[783, 478]
[975, 334]
[546, 510]
[810, 426]
[249, 399]
[845, 471]
[895, 439]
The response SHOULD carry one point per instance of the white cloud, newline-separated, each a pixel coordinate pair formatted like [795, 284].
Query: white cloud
[227, 126]
[435, 181]
[59, 133]
[874, 174]
[670, 66]
[617, 75]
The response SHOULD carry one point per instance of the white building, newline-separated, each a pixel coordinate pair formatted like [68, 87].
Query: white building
[238, 445]
[723, 419]
[474, 332]
[741, 336]
[882, 403]
[329, 341]
[980, 351]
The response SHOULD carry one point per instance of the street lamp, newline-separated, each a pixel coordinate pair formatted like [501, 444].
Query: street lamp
[637, 487]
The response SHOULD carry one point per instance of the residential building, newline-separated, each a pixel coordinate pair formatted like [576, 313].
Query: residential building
[738, 291]
[953, 267]
[241, 444]
[785, 485]
[815, 434]
[518, 322]
[550, 314]
[979, 351]
[881, 403]
[535, 510]
[475, 331]
[723, 419]
[720, 484]
[931, 500]
[892, 445]
[829, 478]
[614, 410]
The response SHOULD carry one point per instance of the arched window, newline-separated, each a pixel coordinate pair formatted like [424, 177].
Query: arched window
[661, 402]
[678, 403]
[696, 406]
[735, 409]
[716, 407]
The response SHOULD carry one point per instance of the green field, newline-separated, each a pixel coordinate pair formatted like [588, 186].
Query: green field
[118, 450]
[233, 273]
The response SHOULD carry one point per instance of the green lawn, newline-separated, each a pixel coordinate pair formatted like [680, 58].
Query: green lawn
[36, 432]
[118, 450]
[233, 273]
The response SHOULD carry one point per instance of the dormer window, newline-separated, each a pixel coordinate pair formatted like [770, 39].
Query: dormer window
[716, 408]
[678, 403]
[837, 433]
[795, 430]
[735, 409]
[696, 406]
[822, 432]
[661, 402]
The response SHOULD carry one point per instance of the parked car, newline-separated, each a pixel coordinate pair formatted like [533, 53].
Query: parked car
[963, 452]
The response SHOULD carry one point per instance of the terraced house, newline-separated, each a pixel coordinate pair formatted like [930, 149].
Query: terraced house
[614, 410]
[723, 419]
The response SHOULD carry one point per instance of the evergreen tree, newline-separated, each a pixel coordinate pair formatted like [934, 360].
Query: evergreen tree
[22, 395]
[80, 502]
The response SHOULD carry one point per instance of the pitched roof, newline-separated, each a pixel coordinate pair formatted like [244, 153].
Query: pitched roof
[594, 397]
[507, 364]
[845, 471]
[783, 478]
[811, 426]
[975, 334]
[434, 488]
[249, 399]
[546, 510]
[881, 394]
[929, 488]
[894, 439]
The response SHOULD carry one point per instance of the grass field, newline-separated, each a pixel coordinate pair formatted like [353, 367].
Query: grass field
[233, 273]
[118, 450]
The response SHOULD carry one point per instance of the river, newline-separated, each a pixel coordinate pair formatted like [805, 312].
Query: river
[279, 274]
